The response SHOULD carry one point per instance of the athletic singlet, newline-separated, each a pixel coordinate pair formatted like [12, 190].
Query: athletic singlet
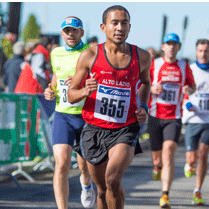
[63, 65]
[114, 103]
[199, 99]
[168, 105]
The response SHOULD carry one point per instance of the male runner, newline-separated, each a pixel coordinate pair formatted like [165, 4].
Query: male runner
[196, 117]
[170, 79]
[68, 122]
[115, 70]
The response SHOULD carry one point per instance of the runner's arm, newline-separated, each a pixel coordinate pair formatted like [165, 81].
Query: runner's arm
[75, 91]
[145, 63]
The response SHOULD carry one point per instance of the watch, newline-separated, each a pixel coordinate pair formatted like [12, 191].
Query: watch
[146, 107]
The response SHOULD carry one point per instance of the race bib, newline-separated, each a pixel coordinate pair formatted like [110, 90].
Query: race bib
[170, 94]
[112, 104]
[201, 102]
[64, 98]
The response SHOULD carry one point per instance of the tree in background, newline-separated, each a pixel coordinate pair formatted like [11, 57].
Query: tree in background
[31, 30]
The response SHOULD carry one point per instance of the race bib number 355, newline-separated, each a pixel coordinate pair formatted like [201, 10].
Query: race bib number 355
[112, 104]
[63, 96]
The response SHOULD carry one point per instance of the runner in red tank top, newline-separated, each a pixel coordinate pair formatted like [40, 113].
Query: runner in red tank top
[116, 70]
[170, 79]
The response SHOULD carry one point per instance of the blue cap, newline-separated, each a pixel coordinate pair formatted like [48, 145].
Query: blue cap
[71, 22]
[171, 37]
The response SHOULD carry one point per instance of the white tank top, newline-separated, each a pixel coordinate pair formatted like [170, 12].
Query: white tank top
[199, 99]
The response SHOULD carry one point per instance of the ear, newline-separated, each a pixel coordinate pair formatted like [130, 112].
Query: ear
[102, 27]
[162, 46]
[82, 32]
[129, 27]
[62, 33]
[179, 46]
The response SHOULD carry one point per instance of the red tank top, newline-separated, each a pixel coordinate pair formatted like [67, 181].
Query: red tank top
[114, 103]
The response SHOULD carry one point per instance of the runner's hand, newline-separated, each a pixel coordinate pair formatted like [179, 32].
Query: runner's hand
[157, 88]
[91, 85]
[49, 94]
[141, 114]
[186, 90]
[68, 80]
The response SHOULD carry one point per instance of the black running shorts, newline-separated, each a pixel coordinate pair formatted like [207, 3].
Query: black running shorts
[163, 129]
[96, 142]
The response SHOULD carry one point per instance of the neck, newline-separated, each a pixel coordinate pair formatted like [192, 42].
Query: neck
[202, 66]
[169, 59]
[75, 48]
[115, 48]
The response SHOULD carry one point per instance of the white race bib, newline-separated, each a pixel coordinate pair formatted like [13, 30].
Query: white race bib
[170, 94]
[201, 102]
[64, 98]
[112, 103]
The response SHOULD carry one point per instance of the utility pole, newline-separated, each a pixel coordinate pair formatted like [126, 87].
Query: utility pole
[185, 23]
[164, 31]
[164, 27]
[14, 18]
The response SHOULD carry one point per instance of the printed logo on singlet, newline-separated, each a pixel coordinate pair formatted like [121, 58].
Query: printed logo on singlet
[112, 103]
[114, 91]
[62, 83]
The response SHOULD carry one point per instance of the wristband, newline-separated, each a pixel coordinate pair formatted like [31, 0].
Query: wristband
[146, 107]
[188, 105]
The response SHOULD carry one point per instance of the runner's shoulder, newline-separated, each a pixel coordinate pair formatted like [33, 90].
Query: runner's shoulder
[144, 56]
[58, 51]
[89, 53]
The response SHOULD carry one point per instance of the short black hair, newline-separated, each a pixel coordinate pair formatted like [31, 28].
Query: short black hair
[113, 8]
[202, 41]
[92, 40]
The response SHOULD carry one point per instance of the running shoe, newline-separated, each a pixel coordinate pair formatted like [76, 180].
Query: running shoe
[197, 199]
[156, 173]
[164, 202]
[188, 170]
[87, 195]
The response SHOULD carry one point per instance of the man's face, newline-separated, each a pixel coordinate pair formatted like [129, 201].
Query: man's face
[171, 49]
[202, 53]
[117, 26]
[72, 36]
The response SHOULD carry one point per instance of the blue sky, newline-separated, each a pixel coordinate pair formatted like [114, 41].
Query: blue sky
[146, 20]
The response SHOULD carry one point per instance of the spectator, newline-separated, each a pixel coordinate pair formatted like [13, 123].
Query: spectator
[13, 66]
[29, 47]
[93, 41]
[35, 75]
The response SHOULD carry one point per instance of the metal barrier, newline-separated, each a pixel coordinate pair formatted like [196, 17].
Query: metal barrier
[25, 131]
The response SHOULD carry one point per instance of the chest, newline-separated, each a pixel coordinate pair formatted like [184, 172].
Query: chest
[170, 74]
[118, 60]
[64, 66]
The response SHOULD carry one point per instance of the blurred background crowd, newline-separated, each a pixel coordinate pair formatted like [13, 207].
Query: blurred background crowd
[17, 48]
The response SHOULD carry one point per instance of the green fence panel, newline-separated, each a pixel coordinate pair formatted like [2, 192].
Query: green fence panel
[42, 149]
[8, 128]
[21, 137]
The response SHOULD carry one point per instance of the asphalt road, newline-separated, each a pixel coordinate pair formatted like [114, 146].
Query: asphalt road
[142, 192]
